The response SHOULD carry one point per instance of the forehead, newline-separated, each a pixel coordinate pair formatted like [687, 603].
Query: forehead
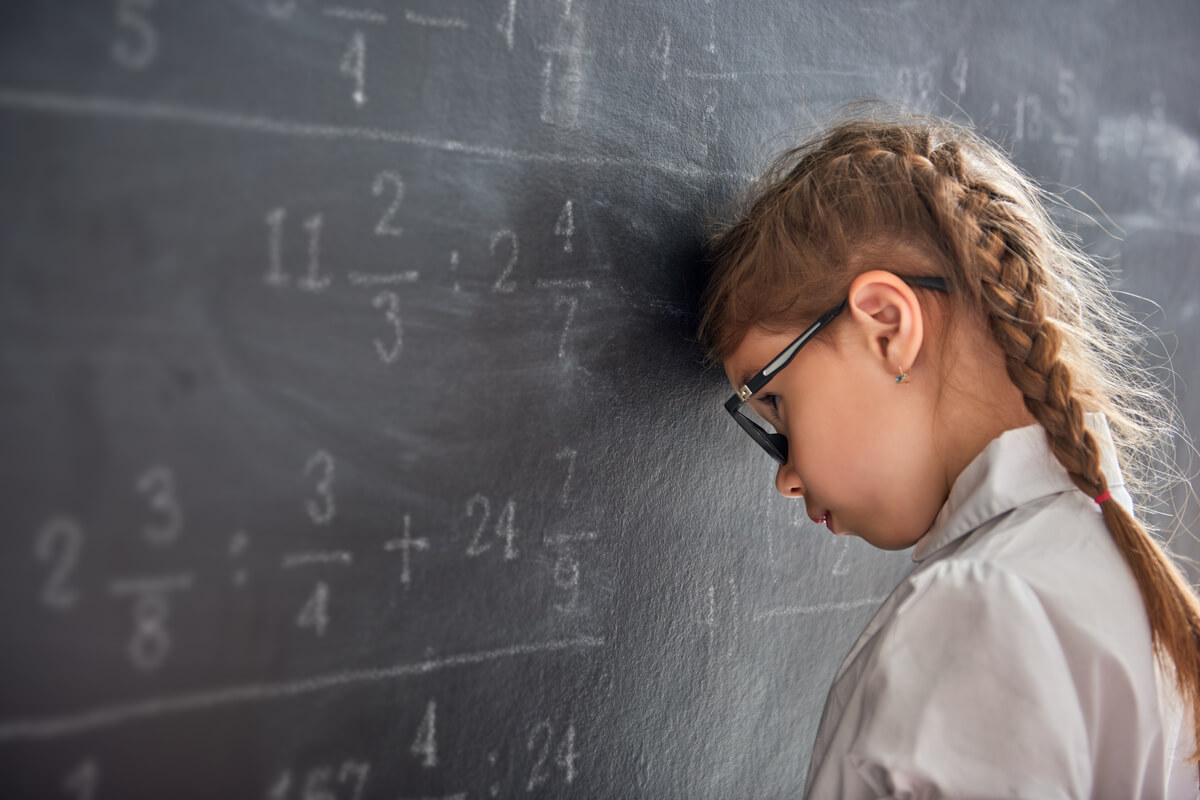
[757, 348]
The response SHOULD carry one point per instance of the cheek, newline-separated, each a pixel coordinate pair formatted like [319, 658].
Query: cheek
[845, 418]
[836, 431]
[901, 487]
[867, 447]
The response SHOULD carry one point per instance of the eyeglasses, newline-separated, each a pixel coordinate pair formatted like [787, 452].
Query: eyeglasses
[776, 444]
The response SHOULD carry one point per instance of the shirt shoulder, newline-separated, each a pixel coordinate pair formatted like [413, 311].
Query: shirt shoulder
[1060, 549]
[969, 686]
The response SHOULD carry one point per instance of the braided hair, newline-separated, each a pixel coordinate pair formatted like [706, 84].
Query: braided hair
[872, 182]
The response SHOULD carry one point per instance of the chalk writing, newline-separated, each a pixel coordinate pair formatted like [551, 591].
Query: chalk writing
[150, 643]
[83, 782]
[389, 301]
[424, 746]
[572, 304]
[566, 454]
[137, 42]
[503, 283]
[507, 22]
[321, 509]
[540, 743]
[565, 226]
[59, 541]
[406, 544]
[314, 613]
[158, 485]
[323, 782]
[354, 66]
[355, 15]
[661, 54]
[504, 526]
[106, 717]
[237, 545]
[387, 223]
[313, 280]
[434, 22]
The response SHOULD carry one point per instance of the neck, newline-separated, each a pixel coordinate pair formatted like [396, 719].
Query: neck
[982, 403]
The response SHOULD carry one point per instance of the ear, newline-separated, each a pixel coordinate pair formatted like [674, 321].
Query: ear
[887, 314]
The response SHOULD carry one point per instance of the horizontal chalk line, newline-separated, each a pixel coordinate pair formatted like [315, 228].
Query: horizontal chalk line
[789, 610]
[435, 22]
[168, 112]
[355, 15]
[292, 560]
[381, 279]
[562, 283]
[55, 727]
[808, 71]
[164, 583]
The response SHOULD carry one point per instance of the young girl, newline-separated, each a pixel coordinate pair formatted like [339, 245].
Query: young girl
[941, 366]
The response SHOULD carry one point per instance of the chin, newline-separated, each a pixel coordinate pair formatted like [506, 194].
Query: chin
[892, 543]
[881, 542]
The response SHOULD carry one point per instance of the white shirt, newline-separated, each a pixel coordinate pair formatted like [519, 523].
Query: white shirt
[1015, 660]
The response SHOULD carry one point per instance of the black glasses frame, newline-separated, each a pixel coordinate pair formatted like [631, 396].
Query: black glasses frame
[776, 444]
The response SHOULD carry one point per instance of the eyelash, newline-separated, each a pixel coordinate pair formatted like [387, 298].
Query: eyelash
[771, 401]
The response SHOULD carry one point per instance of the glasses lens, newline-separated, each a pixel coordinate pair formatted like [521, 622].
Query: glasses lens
[763, 432]
[777, 447]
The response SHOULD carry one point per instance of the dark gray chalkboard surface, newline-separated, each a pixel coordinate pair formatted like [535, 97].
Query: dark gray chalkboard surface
[352, 441]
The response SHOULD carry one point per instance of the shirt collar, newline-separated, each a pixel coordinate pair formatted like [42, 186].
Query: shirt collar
[1015, 468]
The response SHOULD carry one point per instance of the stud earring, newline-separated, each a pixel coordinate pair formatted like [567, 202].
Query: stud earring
[902, 377]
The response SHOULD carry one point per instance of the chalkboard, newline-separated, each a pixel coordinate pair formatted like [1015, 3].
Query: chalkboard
[355, 440]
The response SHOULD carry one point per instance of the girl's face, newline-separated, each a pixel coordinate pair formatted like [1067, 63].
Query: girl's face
[861, 448]
[870, 456]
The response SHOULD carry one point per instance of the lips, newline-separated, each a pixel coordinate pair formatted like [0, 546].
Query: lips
[820, 517]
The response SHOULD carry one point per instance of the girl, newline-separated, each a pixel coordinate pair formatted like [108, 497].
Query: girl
[941, 365]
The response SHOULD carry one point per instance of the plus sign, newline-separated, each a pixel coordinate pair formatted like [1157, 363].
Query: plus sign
[405, 544]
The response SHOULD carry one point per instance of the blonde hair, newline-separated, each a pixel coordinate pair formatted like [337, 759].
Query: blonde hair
[881, 178]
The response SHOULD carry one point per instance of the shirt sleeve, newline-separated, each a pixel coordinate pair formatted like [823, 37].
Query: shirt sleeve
[971, 695]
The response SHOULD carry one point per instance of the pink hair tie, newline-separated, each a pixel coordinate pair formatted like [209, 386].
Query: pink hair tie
[1106, 495]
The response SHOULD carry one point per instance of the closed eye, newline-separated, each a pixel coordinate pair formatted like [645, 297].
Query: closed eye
[770, 403]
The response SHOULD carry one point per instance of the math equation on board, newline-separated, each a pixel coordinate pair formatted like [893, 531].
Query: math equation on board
[491, 530]
[312, 574]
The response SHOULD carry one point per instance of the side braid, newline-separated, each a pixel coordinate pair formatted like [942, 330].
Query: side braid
[1010, 286]
[1031, 343]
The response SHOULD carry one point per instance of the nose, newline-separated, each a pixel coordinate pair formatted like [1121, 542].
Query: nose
[787, 481]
